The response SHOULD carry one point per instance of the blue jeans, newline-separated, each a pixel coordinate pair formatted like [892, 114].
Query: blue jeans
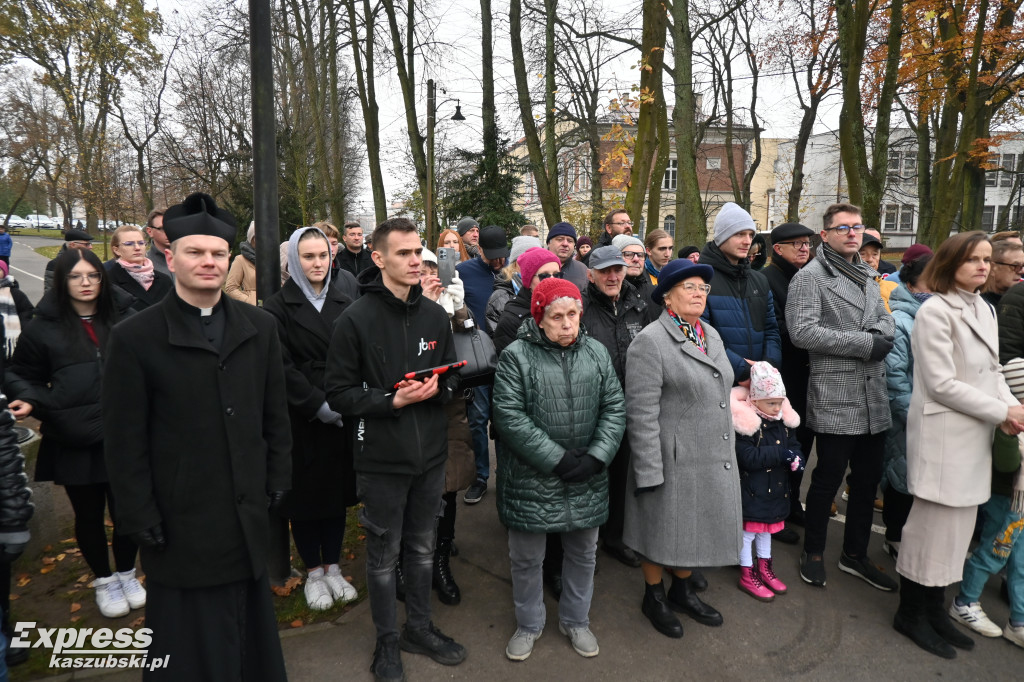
[400, 511]
[478, 413]
[1000, 545]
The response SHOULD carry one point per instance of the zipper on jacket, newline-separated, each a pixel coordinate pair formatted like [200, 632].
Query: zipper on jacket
[568, 386]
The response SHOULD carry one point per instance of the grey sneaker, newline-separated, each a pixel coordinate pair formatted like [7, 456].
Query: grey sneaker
[582, 639]
[520, 646]
[476, 492]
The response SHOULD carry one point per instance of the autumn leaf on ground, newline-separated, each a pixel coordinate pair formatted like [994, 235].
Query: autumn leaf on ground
[76, 607]
[297, 623]
[68, 541]
[60, 557]
[286, 589]
[82, 578]
[14, 597]
[48, 560]
[138, 622]
[46, 569]
[75, 619]
[23, 580]
[48, 548]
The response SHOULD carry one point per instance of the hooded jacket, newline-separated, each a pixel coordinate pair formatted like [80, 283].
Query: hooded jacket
[375, 342]
[742, 309]
[899, 380]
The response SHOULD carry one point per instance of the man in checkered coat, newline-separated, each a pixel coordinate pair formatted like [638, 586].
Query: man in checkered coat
[835, 312]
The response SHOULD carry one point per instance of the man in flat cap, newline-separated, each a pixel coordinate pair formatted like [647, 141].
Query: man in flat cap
[73, 239]
[198, 446]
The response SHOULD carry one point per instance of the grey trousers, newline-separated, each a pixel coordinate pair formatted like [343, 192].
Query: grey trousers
[526, 551]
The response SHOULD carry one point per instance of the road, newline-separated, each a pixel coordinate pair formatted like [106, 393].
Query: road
[27, 266]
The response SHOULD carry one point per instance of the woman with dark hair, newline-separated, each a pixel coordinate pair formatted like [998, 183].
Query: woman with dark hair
[959, 398]
[133, 272]
[55, 375]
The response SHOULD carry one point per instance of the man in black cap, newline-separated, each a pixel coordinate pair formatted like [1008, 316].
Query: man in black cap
[197, 448]
[884, 267]
[478, 276]
[469, 229]
[73, 239]
[791, 249]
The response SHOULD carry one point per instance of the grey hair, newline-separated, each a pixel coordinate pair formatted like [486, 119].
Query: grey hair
[250, 234]
[563, 299]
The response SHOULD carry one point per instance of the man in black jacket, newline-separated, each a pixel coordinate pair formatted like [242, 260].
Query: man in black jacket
[197, 447]
[401, 437]
[614, 313]
[791, 250]
[352, 256]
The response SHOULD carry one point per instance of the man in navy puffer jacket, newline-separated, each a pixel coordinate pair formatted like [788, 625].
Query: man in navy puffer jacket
[740, 306]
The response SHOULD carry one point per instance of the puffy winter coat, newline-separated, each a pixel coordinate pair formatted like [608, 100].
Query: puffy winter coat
[504, 291]
[614, 323]
[740, 306]
[899, 380]
[549, 399]
[16, 506]
[763, 447]
[516, 310]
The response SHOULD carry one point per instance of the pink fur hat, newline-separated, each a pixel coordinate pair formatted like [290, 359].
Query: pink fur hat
[765, 382]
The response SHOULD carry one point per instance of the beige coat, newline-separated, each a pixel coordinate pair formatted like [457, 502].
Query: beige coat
[959, 398]
[241, 282]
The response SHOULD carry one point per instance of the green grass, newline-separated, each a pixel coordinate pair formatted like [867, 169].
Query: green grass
[34, 232]
[48, 251]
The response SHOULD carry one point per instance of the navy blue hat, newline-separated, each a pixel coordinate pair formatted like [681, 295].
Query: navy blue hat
[675, 272]
[562, 230]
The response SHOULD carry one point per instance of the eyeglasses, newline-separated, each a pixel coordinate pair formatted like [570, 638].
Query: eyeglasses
[845, 229]
[133, 244]
[543, 276]
[690, 288]
[632, 255]
[623, 222]
[799, 246]
[1019, 267]
[88, 278]
[154, 227]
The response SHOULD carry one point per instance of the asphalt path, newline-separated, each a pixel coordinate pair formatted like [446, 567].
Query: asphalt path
[27, 266]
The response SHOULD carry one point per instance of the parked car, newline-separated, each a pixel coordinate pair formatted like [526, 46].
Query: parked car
[17, 223]
[40, 221]
[58, 222]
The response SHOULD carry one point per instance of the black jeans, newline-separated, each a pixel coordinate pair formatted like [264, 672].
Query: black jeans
[446, 524]
[400, 512]
[895, 513]
[89, 502]
[864, 454]
[319, 541]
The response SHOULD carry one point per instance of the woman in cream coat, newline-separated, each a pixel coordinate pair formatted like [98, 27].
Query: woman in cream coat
[959, 398]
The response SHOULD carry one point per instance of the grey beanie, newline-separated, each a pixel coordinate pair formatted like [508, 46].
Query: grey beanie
[465, 225]
[730, 220]
[621, 241]
[520, 244]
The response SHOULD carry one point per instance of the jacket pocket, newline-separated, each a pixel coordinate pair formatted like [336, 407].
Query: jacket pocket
[934, 407]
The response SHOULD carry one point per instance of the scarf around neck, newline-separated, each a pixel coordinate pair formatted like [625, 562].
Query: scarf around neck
[9, 313]
[693, 333]
[295, 268]
[140, 272]
[855, 271]
[649, 267]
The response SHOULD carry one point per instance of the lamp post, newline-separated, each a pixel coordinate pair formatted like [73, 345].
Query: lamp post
[429, 218]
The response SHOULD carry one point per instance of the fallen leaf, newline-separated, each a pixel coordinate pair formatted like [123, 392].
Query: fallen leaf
[60, 557]
[48, 548]
[362, 537]
[348, 578]
[82, 578]
[46, 569]
[14, 597]
[297, 623]
[49, 561]
[280, 591]
[76, 607]
[23, 580]
[138, 622]
[75, 619]
[351, 557]
[68, 541]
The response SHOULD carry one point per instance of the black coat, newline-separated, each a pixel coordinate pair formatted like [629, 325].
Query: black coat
[59, 371]
[353, 262]
[323, 481]
[344, 281]
[644, 287]
[516, 310]
[144, 298]
[796, 365]
[195, 438]
[375, 342]
[764, 472]
[615, 324]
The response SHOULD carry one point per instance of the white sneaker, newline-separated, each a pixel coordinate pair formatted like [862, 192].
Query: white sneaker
[973, 616]
[520, 646]
[133, 590]
[110, 597]
[582, 640]
[1014, 634]
[318, 595]
[341, 589]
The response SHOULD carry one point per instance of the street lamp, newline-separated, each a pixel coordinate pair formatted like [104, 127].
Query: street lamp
[430, 219]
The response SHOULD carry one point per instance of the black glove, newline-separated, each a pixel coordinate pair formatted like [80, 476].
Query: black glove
[880, 347]
[277, 499]
[569, 460]
[151, 537]
[647, 489]
[587, 467]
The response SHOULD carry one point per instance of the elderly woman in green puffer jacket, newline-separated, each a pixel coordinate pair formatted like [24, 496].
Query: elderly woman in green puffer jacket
[560, 414]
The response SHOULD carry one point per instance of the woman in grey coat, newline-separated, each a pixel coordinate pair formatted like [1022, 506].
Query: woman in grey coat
[685, 510]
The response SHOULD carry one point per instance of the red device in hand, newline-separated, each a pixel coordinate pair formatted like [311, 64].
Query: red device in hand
[421, 374]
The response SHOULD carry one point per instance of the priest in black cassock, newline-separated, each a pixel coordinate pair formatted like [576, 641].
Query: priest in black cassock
[197, 443]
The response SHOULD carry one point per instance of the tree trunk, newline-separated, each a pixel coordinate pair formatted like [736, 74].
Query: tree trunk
[652, 55]
[490, 125]
[367, 89]
[689, 209]
[660, 164]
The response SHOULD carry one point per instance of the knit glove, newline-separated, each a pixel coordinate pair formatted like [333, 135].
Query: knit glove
[588, 466]
[328, 416]
[880, 346]
[569, 461]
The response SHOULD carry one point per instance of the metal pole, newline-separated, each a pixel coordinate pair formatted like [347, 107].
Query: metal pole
[429, 199]
[264, 151]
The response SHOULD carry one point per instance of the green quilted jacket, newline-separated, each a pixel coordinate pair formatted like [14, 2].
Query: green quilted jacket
[548, 399]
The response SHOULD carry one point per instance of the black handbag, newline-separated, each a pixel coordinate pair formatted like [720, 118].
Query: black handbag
[475, 347]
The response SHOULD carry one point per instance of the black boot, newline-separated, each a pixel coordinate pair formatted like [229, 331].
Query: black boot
[697, 581]
[938, 618]
[399, 579]
[912, 621]
[447, 591]
[655, 607]
[682, 597]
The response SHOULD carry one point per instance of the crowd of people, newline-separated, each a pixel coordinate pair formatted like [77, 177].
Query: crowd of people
[662, 410]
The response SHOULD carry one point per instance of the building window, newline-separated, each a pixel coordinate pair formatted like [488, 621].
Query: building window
[902, 168]
[894, 166]
[906, 218]
[1006, 175]
[991, 178]
[714, 163]
[909, 169]
[890, 218]
[671, 175]
[640, 226]
[670, 225]
[988, 218]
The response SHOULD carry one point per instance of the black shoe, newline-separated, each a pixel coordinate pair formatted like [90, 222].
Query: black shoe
[787, 536]
[866, 570]
[656, 608]
[387, 660]
[399, 580]
[682, 597]
[812, 569]
[447, 591]
[476, 492]
[698, 581]
[624, 554]
[553, 581]
[911, 620]
[433, 643]
[938, 618]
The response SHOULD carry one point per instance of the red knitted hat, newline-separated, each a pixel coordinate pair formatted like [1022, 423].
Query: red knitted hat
[547, 291]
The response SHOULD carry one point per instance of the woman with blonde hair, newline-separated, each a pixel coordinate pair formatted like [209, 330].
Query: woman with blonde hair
[133, 272]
